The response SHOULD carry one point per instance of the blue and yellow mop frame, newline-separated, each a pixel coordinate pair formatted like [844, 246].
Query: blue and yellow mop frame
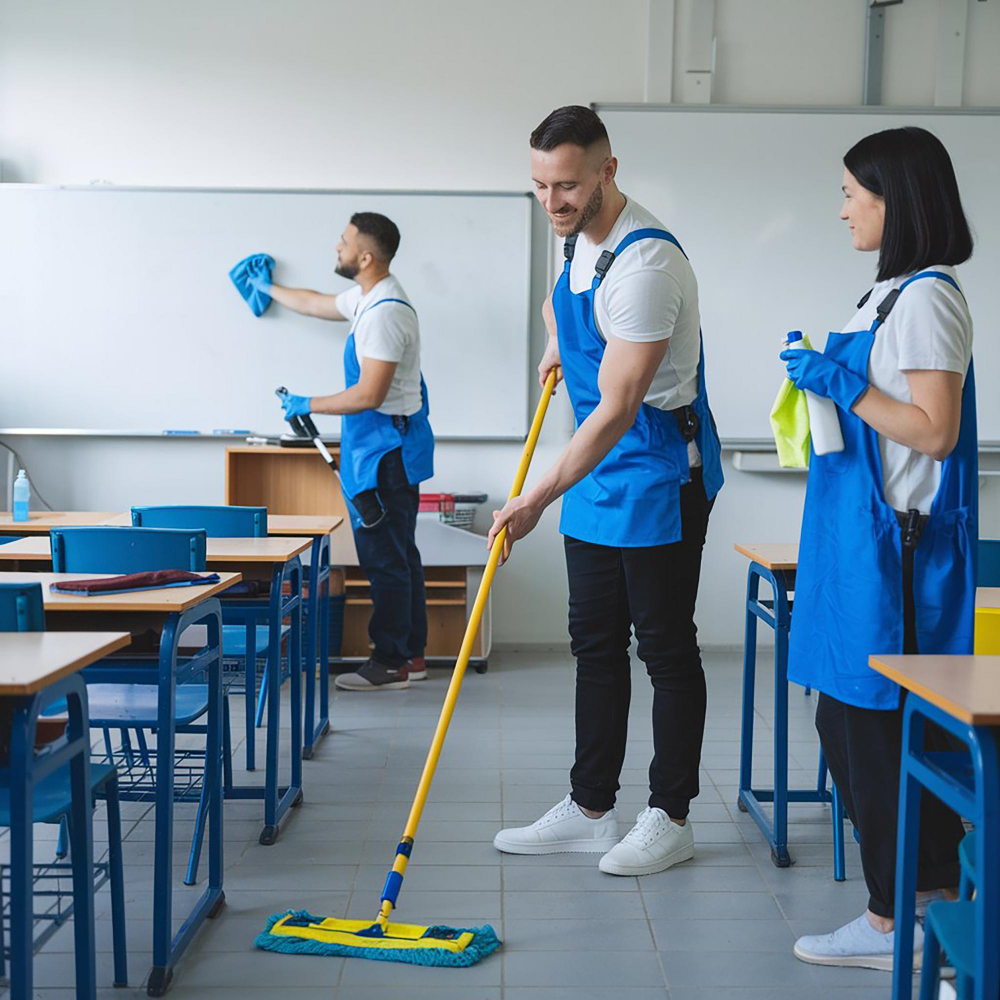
[299, 932]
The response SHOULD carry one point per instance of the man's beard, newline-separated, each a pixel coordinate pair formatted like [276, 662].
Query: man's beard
[349, 271]
[590, 211]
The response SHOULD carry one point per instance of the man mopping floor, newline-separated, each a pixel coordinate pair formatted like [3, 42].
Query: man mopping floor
[638, 480]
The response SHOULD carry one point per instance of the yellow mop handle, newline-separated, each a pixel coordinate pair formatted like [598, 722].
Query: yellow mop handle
[416, 810]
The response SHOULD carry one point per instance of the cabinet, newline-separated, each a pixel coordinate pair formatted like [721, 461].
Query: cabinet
[298, 481]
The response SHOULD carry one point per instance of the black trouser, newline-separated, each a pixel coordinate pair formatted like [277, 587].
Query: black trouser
[653, 588]
[388, 556]
[863, 747]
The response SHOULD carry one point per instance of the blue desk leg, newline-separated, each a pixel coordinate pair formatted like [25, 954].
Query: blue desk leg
[317, 642]
[775, 826]
[166, 949]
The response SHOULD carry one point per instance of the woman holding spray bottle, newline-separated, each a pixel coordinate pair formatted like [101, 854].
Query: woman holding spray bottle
[889, 530]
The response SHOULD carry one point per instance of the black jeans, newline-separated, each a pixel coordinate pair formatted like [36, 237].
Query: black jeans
[863, 747]
[653, 589]
[388, 556]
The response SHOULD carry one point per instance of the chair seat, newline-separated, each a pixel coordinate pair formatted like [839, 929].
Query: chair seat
[52, 798]
[136, 704]
[954, 925]
[234, 639]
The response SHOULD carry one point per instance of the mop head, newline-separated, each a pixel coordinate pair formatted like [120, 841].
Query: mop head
[298, 932]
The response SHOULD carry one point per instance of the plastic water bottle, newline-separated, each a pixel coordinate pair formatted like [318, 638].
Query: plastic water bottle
[22, 494]
[824, 422]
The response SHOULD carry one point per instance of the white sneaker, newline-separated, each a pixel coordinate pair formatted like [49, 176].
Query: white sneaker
[652, 845]
[856, 945]
[563, 829]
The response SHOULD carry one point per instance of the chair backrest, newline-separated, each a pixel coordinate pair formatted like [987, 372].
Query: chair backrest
[126, 550]
[989, 563]
[21, 607]
[217, 522]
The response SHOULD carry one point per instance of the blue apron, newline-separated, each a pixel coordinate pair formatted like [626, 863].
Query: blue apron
[849, 588]
[632, 497]
[367, 436]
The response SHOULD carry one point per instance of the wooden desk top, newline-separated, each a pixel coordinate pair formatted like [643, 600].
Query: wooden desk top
[988, 599]
[303, 524]
[773, 555]
[40, 522]
[277, 524]
[217, 550]
[967, 687]
[164, 600]
[30, 661]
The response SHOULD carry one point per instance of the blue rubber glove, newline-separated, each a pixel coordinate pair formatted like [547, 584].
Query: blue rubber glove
[296, 406]
[819, 374]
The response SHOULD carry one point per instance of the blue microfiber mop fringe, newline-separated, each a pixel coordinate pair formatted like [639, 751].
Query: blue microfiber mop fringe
[484, 942]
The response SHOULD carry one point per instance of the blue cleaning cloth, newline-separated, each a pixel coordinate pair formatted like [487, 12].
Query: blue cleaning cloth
[252, 276]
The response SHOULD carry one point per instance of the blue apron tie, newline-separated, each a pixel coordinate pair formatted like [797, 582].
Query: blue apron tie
[367, 436]
[632, 497]
[849, 586]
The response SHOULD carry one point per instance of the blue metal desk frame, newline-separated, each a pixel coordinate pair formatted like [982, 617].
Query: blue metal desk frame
[277, 800]
[779, 618]
[171, 671]
[317, 645]
[25, 768]
[969, 784]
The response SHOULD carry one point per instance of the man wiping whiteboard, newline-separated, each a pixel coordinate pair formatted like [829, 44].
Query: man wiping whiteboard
[386, 443]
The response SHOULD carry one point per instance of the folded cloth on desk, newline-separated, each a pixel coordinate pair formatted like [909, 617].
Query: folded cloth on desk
[134, 581]
[252, 278]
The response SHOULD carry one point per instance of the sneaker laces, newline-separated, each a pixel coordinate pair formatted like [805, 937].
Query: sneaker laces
[560, 811]
[650, 825]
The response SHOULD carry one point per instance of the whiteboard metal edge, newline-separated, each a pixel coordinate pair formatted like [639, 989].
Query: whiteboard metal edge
[796, 109]
[97, 432]
[118, 188]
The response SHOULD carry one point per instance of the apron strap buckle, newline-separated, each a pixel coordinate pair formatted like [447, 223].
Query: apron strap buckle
[687, 422]
[604, 263]
[569, 246]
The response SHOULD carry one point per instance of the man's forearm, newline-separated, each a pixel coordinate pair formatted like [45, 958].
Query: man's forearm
[301, 300]
[356, 399]
[594, 438]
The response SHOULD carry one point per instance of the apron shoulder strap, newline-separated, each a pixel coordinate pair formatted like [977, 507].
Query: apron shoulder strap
[569, 246]
[607, 258]
[885, 306]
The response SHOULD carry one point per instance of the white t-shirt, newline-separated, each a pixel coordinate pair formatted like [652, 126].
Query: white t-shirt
[650, 293]
[389, 332]
[929, 329]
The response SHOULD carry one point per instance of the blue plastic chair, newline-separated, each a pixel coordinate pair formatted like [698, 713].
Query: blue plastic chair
[133, 707]
[22, 610]
[226, 522]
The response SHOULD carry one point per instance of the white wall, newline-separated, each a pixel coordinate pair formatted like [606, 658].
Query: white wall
[397, 94]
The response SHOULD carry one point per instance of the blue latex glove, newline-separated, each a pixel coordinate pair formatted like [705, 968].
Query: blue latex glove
[296, 406]
[819, 374]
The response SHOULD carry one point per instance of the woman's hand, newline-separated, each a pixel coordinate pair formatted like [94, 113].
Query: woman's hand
[819, 374]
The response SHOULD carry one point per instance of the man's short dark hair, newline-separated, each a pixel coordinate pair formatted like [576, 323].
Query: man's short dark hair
[380, 230]
[924, 220]
[574, 123]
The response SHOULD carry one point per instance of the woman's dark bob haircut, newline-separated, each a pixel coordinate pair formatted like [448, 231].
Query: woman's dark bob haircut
[924, 221]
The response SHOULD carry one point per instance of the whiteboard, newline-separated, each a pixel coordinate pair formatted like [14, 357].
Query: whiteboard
[754, 197]
[117, 311]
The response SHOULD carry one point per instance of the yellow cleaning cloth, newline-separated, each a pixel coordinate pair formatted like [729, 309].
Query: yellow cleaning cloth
[790, 423]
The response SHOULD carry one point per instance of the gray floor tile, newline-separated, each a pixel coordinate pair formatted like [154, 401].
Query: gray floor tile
[679, 934]
[735, 968]
[617, 969]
